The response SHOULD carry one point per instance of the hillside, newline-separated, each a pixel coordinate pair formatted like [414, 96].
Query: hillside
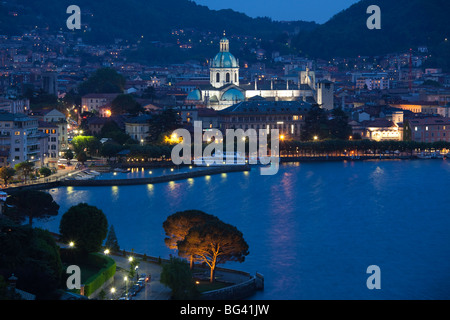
[106, 20]
[404, 24]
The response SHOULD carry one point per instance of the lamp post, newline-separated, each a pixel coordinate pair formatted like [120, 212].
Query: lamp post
[126, 284]
[113, 290]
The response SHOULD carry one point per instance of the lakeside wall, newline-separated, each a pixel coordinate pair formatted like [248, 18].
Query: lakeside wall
[125, 182]
[238, 291]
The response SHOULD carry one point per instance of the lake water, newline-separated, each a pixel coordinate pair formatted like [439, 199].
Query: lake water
[313, 228]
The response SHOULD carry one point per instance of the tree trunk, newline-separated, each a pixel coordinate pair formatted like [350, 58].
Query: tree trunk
[211, 280]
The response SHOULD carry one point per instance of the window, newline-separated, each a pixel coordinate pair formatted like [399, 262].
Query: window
[227, 77]
[17, 133]
[217, 77]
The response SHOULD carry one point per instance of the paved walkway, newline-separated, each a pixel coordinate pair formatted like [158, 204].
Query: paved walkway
[154, 290]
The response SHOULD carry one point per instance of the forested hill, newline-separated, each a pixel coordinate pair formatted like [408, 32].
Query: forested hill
[105, 20]
[404, 24]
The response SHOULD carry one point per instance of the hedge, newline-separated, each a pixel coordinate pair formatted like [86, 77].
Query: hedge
[104, 274]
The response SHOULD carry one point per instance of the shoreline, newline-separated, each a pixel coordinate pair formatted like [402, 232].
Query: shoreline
[197, 173]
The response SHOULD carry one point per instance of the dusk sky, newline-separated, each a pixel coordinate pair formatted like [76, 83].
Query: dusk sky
[308, 10]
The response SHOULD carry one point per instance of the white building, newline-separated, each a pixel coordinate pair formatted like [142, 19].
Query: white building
[19, 136]
[225, 89]
[52, 152]
[138, 127]
[93, 101]
[59, 119]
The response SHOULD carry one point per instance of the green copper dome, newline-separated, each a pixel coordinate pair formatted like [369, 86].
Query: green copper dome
[224, 60]
[233, 94]
[194, 95]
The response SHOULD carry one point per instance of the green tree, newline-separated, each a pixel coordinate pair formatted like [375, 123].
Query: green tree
[111, 241]
[68, 154]
[315, 124]
[86, 226]
[6, 173]
[338, 125]
[125, 103]
[103, 80]
[167, 121]
[33, 256]
[32, 204]
[82, 157]
[112, 130]
[178, 277]
[90, 144]
[213, 243]
[44, 171]
[177, 226]
[24, 169]
[110, 149]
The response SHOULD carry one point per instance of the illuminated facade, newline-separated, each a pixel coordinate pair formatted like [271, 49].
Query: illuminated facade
[225, 89]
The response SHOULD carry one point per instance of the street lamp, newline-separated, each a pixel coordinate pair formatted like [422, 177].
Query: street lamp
[316, 137]
[126, 283]
[106, 251]
[71, 244]
[137, 274]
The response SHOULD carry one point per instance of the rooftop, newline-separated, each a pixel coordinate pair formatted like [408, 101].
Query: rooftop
[267, 107]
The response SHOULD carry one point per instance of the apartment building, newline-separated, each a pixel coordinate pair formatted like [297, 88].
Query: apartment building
[21, 140]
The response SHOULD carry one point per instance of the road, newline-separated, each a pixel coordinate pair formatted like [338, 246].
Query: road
[154, 290]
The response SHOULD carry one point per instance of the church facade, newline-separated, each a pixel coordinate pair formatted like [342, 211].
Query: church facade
[224, 88]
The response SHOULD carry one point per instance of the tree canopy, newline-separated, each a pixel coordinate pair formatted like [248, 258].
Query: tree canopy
[177, 226]
[31, 204]
[33, 256]
[86, 226]
[103, 80]
[213, 243]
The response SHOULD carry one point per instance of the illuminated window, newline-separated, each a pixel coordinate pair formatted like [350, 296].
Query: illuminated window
[17, 133]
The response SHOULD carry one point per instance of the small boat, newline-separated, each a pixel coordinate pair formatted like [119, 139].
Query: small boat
[122, 170]
[221, 159]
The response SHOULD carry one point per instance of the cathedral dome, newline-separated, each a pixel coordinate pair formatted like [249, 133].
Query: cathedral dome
[233, 95]
[194, 95]
[224, 60]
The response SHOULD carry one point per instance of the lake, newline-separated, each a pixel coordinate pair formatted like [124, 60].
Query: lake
[313, 228]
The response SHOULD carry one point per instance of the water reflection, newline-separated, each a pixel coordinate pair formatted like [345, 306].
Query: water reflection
[311, 228]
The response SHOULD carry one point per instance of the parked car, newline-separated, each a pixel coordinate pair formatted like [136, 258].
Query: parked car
[144, 277]
[136, 288]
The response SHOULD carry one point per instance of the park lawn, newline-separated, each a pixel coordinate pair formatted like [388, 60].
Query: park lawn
[204, 286]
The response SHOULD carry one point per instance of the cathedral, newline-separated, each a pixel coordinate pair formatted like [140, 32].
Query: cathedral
[224, 89]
